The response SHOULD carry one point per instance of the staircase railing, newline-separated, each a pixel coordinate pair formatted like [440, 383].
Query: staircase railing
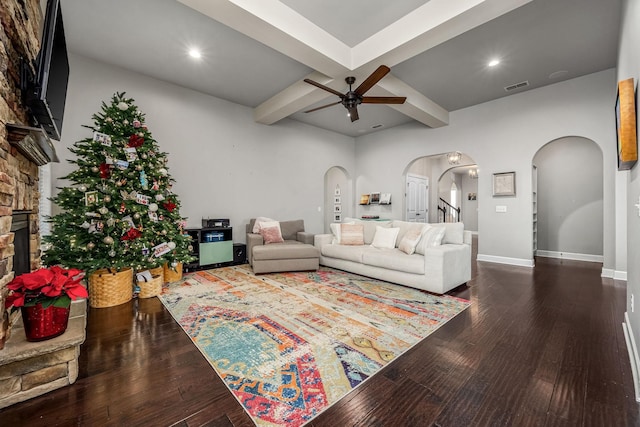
[447, 211]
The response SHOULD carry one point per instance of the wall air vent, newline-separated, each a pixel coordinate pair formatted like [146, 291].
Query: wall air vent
[517, 86]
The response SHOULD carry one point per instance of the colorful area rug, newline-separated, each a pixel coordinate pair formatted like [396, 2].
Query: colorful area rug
[289, 345]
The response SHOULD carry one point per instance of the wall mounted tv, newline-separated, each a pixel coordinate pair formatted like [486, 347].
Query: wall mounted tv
[46, 92]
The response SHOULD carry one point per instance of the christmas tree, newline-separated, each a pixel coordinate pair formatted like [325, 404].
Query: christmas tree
[120, 211]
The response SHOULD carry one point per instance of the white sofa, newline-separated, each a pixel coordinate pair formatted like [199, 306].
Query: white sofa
[438, 268]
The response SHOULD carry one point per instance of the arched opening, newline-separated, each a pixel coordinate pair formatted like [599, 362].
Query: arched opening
[568, 200]
[338, 197]
[442, 204]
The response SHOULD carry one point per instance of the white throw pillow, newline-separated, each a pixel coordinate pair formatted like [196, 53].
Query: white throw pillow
[258, 223]
[431, 238]
[385, 238]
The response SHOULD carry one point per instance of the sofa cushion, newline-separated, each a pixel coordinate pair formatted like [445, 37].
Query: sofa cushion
[335, 230]
[348, 253]
[351, 234]
[411, 238]
[385, 238]
[270, 232]
[431, 237]
[394, 259]
[286, 250]
[290, 229]
[369, 227]
[453, 232]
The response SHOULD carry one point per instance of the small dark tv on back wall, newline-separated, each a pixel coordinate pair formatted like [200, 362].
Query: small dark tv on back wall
[46, 92]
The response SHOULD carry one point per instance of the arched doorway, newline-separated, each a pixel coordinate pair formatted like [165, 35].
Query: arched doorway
[568, 200]
[440, 175]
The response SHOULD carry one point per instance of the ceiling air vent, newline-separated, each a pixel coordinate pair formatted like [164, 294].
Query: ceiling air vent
[517, 86]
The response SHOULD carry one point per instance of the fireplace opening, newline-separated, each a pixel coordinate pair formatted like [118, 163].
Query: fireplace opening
[21, 238]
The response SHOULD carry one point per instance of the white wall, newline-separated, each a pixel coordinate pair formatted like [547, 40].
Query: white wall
[629, 66]
[469, 207]
[570, 205]
[225, 165]
[503, 136]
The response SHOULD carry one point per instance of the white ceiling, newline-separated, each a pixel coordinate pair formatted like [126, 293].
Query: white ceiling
[256, 53]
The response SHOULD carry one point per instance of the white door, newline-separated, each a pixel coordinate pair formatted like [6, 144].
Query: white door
[417, 196]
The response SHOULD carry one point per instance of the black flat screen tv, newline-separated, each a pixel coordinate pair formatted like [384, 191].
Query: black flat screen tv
[46, 92]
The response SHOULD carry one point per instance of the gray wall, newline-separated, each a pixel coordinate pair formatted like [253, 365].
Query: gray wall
[225, 165]
[503, 136]
[570, 196]
[629, 66]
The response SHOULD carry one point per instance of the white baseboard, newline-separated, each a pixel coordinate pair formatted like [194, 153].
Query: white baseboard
[633, 354]
[571, 256]
[614, 274]
[505, 260]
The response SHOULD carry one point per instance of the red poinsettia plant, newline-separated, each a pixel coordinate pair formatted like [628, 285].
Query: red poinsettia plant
[48, 286]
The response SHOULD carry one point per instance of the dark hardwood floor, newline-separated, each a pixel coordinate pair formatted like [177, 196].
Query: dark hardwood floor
[538, 347]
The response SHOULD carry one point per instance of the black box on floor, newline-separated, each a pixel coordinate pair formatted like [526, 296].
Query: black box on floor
[239, 253]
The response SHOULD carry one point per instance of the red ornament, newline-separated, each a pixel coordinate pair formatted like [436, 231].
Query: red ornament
[135, 141]
[122, 208]
[131, 234]
[105, 171]
[170, 206]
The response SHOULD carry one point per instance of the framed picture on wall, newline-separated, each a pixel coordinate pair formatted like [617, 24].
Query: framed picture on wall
[337, 208]
[337, 200]
[374, 198]
[337, 217]
[504, 184]
[626, 125]
[336, 192]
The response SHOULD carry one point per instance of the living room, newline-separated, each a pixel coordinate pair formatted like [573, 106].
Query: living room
[227, 165]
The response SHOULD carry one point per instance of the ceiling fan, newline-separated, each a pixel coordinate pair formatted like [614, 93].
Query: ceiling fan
[353, 98]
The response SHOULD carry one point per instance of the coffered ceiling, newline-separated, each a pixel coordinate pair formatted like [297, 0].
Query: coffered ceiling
[257, 52]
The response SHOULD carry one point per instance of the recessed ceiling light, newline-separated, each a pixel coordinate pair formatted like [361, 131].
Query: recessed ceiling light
[194, 53]
[493, 62]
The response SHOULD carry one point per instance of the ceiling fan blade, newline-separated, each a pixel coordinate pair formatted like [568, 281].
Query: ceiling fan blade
[324, 106]
[384, 99]
[374, 78]
[323, 87]
[353, 113]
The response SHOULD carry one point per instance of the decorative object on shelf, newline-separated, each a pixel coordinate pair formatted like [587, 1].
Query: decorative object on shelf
[626, 125]
[385, 198]
[504, 184]
[44, 298]
[374, 198]
[472, 196]
[473, 173]
[109, 287]
[454, 157]
[364, 199]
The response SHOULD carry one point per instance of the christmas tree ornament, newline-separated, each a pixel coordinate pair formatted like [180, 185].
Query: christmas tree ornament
[143, 155]
[111, 222]
[159, 197]
[125, 122]
[170, 206]
[135, 141]
[112, 253]
[190, 248]
[172, 245]
[103, 210]
[108, 240]
[95, 169]
[107, 199]
[143, 180]
[85, 225]
[139, 167]
[136, 123]
[123, 106]
[122, 208]
[91, 245]
[136, 215]
[82, 188]
[153, 207]
[164, 233]
[174, 264]
[163, 171]
[108, 120]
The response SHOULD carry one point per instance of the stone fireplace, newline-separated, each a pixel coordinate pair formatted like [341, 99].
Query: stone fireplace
[26, 369]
